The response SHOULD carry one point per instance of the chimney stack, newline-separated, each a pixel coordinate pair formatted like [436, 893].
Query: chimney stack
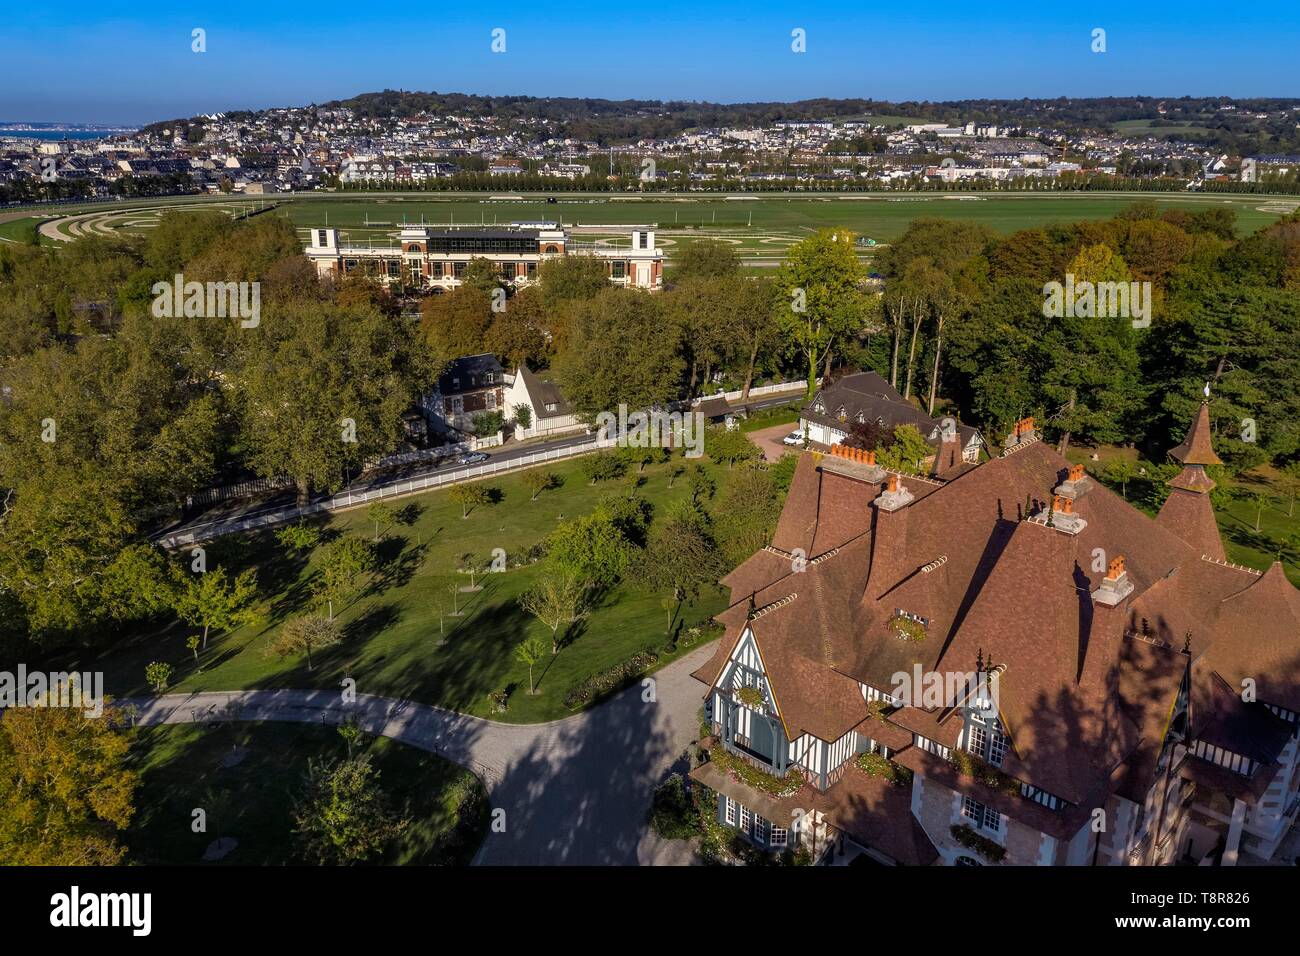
[1115, 586]
[894, 496]
[1076, 483]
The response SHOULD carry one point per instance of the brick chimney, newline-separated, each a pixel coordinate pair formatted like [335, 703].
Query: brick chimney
[1064, 517]
[1076, 483]
[890, 561]
[1022, 433]
[1099, 658]
[894, 496]
[1115, 586]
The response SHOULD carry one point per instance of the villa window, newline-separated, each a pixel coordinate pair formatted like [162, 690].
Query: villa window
[780, 837]
[551, 406]
[729, 812]
[762, 829]
[746, 818]
[985, 818]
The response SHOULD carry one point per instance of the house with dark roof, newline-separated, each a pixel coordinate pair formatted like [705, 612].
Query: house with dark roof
[866, 397]
[469, 386]
[1012, 665]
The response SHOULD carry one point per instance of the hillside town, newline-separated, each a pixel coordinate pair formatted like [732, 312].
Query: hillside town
[287, 150]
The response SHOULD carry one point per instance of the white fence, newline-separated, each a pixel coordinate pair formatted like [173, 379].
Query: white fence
[258, 486]
[350, 499]
[758, 392]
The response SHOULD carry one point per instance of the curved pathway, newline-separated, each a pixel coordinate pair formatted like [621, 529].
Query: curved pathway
[573, 791]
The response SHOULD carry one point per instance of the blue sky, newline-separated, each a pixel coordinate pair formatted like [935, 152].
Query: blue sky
[132, 63]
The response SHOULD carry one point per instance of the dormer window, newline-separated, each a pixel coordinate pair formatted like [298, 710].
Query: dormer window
[819, 408]
[840, 413]
[860, 418]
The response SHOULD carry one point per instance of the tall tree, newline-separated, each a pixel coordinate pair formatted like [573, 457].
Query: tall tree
[821, 296]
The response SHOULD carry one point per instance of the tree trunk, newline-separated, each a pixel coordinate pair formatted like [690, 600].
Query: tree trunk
[309, 658]
[1064, 446]
[911, 353]
[749, 369]
[205, 637]
[898, 336]
[934, 379]
[812, 370]
[304, 490]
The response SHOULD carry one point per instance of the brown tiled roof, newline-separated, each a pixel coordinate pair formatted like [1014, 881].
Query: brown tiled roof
[1197, 448]
[878, 815]
[1190, 515]
[1258, 636]
[1018, 593]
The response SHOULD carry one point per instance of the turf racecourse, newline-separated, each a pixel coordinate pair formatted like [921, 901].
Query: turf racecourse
[760, 226]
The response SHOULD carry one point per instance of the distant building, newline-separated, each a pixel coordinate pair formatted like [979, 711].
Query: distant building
[434, 258]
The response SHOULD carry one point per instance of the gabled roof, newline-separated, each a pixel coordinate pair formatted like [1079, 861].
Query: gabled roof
[869, 395]
[987, 583]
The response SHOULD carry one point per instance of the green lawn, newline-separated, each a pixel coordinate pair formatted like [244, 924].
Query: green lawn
[762, 227]
[391, 645]
[182, 769]
[20, 230]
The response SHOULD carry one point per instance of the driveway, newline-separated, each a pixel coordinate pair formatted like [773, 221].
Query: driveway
[575, 791]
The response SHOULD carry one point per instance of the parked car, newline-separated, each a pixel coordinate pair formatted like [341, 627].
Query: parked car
[471, 458]
[794, 438]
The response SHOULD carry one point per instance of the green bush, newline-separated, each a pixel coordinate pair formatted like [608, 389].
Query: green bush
[878, 765]
[748, 774]
[993, 852]
[672, 814]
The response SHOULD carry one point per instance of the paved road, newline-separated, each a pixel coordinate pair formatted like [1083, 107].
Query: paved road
[574, 791]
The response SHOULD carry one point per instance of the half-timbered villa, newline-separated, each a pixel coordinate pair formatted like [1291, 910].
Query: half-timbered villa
[1011, 666]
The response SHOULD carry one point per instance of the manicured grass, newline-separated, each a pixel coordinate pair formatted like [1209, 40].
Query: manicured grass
[391, 644]
[759, 228]
[20, 230]
[181, 768]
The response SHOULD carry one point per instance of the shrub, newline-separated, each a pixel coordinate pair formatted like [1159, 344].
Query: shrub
[748, 774]
[991, 851]
[968, 765]
[878, 765]
[584, 692]
[750, 697]
[906, 628]
[672, 814]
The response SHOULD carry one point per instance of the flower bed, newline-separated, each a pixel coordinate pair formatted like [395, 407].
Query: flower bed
[968, 765]
[584, 692]
[750, 775]
[993, 852]
[878, 765]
